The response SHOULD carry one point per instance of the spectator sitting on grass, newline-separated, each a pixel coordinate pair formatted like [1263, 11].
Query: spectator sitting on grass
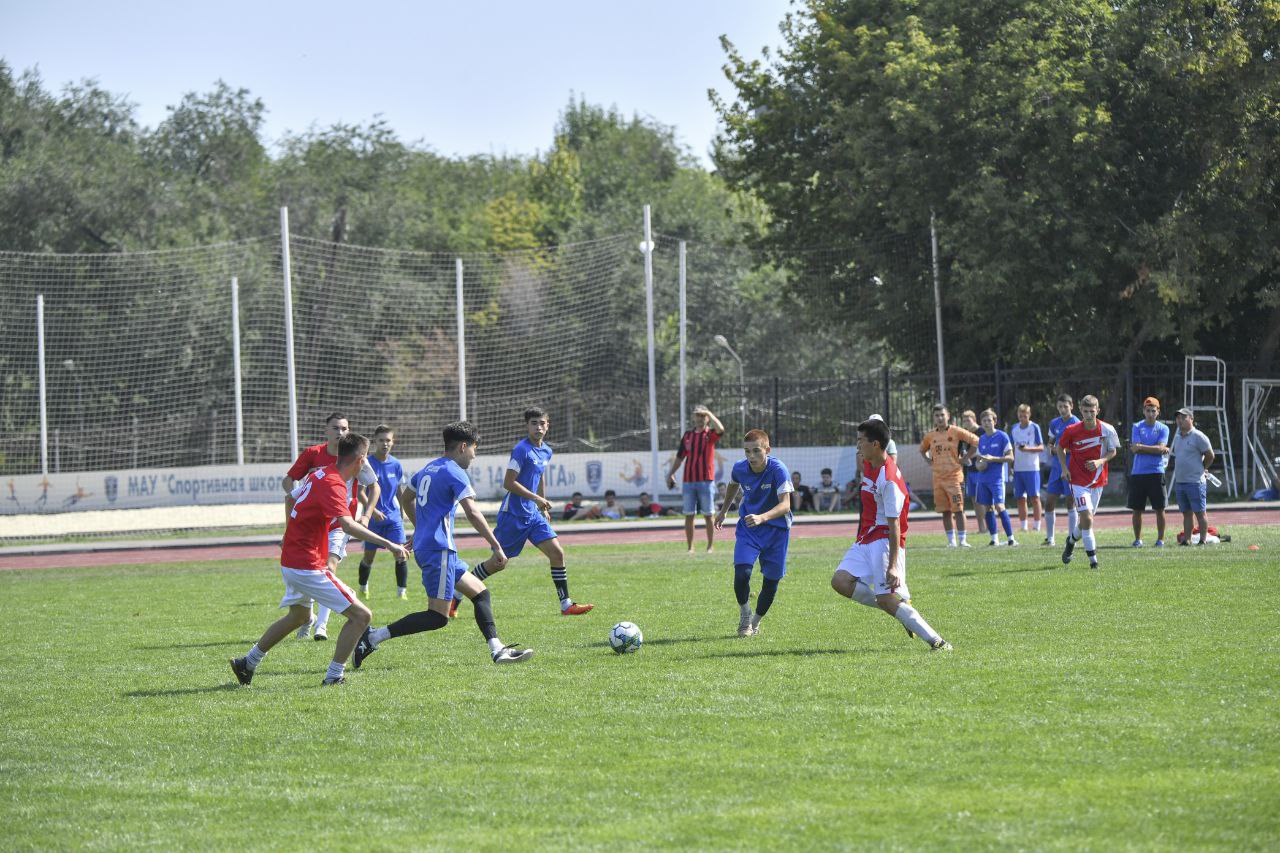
[612, 509]
[650, 508]
[574, 510]
[801, 495]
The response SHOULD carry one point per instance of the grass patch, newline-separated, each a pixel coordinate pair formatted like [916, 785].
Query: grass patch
[1132, 707]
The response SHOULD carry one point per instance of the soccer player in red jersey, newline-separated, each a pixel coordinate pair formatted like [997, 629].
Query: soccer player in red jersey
[1092, 443]
[304, 557]
[874, 570]
[363, 498]
[698, 450]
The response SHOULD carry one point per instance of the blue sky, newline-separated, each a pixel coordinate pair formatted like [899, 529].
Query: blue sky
[463, 78]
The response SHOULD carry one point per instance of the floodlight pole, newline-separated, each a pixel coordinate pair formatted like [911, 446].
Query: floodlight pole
[647, 248]
[684, 328]
[235, 366]
[288, 334]
[44, 399]
[937, 309]
[462, 344]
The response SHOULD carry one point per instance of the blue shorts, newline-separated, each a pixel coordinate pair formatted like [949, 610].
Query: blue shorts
[512, 533]
[389, 528]
[1026, 484]
[697, 498]
[970, 486]
[1057, 485]
[1192, 497]
[766, 543]
[440, 572]
[990, 494]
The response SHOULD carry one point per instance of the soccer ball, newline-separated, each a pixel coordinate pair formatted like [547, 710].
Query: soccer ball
[979, 464]
[625, 637]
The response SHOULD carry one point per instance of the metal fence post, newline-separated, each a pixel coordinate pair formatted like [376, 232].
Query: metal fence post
[999, 393]
[776, 434]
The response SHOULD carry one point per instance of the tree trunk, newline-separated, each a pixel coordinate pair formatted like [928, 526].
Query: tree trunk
[1267, 352]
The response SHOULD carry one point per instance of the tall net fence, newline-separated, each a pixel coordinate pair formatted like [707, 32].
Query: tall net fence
[140, 364]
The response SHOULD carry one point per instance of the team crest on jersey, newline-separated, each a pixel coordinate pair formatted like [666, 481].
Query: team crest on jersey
[595, 475]
[111, 486]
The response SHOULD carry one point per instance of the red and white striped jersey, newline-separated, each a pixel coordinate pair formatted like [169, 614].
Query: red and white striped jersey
[884, 496]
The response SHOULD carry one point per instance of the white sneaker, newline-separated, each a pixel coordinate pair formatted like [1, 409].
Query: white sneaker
[512, 654]
[305, 630]
[1013, 543]
[951, 544]
[321, 634]
[744, 625]
[964, 544]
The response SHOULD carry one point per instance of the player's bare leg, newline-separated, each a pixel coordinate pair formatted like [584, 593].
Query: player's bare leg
[298, 615]
[857, 590]
[711, 534]
[688, 532]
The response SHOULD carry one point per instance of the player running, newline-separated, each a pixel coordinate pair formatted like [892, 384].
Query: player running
[525, 513]
[764, 526]
[387, 520]
[362, 499]
[433, 496]
[1092, 443]
[1057, 486]
[874, 570]
[304, 557]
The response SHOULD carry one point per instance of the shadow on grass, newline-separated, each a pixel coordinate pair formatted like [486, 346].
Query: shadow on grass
[675, 641]
[804, 653]
[1048, 568]
[185, 691]
[232, 644]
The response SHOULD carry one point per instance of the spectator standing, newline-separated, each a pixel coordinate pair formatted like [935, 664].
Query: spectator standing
[1192, 455]
[941, 447]
[1149, 440]
[698, 450]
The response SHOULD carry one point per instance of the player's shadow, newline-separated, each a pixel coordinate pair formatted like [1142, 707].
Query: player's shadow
[676, 641]
[230, 644]
[185, 691]
[777, 653]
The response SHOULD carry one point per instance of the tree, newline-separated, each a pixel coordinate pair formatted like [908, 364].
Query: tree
[1103, 174]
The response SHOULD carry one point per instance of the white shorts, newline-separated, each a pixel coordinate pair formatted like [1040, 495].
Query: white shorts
[869, 562]
[302, 586]
[338, 543]
[1086, 499]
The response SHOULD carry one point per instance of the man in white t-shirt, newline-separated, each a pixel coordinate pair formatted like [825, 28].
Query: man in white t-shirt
[1028, 444]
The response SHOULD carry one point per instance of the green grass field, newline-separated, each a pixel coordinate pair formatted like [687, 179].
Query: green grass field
[1131, 708]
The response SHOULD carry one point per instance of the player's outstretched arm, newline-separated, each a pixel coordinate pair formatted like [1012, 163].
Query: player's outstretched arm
[408, 498]
[481, 525]
[356, 530]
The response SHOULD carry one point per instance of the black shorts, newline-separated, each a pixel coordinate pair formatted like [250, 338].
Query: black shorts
[1146, 487]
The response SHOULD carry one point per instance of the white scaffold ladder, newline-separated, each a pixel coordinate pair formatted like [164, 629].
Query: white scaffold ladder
[1206, 394]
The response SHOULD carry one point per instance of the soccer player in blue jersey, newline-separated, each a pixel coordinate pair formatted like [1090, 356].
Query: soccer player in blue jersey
[525, 513]
[764, 526]
[1057, 486]
[387, 521]
[996, 450]
[433, 496]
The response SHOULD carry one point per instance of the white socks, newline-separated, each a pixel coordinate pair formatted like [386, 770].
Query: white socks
[1090, 544]
[377, 635]
[335, 669]
[495, 646]
[951, 537]
[909, 617]
[322, 618]
[1073, 522]
[254, 657]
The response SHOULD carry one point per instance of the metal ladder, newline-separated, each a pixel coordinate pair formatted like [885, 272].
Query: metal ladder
[1206, 391]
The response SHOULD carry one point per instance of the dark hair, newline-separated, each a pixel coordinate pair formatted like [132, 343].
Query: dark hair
[335, 416]
[577, 494]
[1065, 398]
[380, 429]
[610, 492]
[876, 431]
[826, 471]
[941, 407]
[534, 413]
[352, 444]
[459, 432]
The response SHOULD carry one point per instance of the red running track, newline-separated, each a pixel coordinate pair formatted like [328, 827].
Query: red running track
[1107, 521]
